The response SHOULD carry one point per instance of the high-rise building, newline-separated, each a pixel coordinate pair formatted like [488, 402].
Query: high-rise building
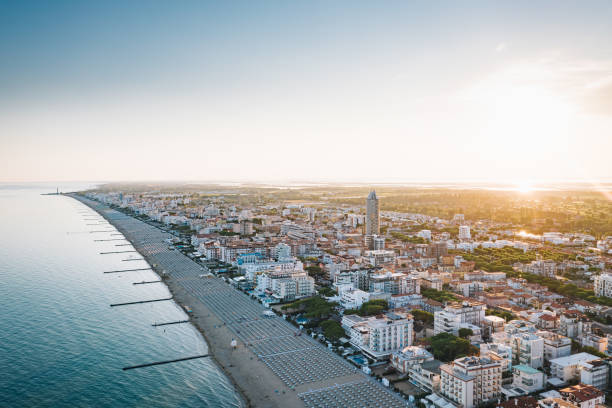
[372, 215]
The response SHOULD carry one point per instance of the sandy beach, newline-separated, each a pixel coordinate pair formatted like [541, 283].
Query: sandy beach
[271, 366]
[257, 384]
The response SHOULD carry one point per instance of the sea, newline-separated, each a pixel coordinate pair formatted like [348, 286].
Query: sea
[61, 344]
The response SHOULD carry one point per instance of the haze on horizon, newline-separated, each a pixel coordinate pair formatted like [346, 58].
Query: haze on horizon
[354, 91]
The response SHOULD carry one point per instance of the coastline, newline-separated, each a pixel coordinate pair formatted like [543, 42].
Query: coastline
[264, 389]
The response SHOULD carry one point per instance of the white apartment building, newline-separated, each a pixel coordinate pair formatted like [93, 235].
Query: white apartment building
[425, 234]
[395, 283]
[409, 356]
[595, 373]
[527, 347]
[569, 367]
[380, 257]
[426, 375]
[555, 345]
[459, 315]
[379, 337]
[353, 298]
[282, 252]
[599, 343]
[464, 232]
[470, 381]
[285, 285]
[573, 324]
[527, 378]
[499, 353]
[603, 285]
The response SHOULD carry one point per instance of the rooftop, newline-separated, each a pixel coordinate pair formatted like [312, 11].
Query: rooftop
[573, 359]
[520, 402]
[526, 369]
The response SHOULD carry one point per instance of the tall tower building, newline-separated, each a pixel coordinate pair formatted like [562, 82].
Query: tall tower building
[372, 215]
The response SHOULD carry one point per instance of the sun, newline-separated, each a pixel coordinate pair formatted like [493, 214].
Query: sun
[524, 187]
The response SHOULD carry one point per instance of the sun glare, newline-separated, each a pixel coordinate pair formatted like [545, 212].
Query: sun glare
[524, 187]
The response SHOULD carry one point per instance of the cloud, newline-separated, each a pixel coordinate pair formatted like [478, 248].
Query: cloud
[586, 84]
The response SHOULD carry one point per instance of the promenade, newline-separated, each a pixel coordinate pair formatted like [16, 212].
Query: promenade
[271, 366]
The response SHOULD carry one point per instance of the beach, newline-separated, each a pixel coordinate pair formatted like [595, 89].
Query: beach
[271, 366]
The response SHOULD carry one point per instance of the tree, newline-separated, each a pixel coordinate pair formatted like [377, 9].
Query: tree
[438, 295]
[314, 307]
[446, 347]
[373, 307]
[332, 329]
[464, 332]
[423, 316]
[314, 270]
[327, 291]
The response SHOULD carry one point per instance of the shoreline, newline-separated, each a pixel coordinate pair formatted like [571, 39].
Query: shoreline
[176, 298]
[262, 389]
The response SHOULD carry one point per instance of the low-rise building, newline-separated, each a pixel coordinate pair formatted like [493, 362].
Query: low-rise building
[409, 356]
[353, 298]
[527, 378]
[569, 367]
[583, 396]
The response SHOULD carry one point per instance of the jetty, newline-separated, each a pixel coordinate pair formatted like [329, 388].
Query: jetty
[164, 362]
[139, 302]
[113, 239]
[145, 282]
[169, 323]
[128, 270]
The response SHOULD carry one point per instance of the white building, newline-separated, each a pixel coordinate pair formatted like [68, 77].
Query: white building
[599, 343]
[409, 356]
[527, 378]
[464, 232]
[285, 285]
[595, 373]
[471, 381]
[527, 347]
[603, 285]
[379, 337]
[282, 251]
[378, 243]
[426, 375]
[425, 234]
[459, 315]
[380, 257]
[353, 298]
[497, 352]
[555, 345]
[569, 367]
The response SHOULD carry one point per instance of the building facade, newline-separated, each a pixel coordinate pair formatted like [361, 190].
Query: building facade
[471, 381]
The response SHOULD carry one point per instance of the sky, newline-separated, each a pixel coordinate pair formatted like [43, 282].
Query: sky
[361, 91]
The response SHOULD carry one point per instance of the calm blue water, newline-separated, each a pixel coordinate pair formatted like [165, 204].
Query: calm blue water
[61, 345]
